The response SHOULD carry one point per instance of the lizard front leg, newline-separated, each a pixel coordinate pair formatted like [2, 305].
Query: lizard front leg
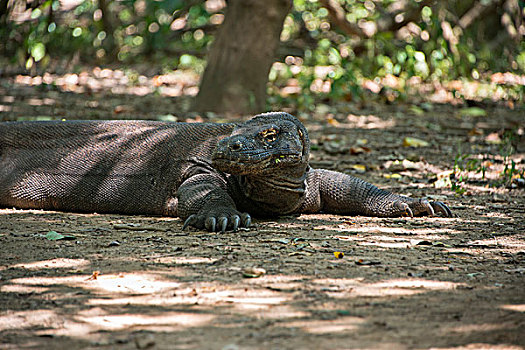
[204, 202]
[335, 192]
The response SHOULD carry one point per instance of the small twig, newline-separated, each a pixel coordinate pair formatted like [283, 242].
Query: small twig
[138, 228]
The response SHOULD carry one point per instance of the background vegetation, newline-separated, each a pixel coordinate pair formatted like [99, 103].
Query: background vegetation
[352, 40]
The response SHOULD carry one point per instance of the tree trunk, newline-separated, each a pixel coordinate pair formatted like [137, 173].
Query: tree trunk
[108, 25]
[241, 57]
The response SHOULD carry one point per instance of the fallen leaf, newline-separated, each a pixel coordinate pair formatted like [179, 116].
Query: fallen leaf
[359, 168]
[472, 112]
[416, 110]
[299, 253]
[359, 150]
[475, 132]
[332, 121]
[93, 276]
[441, 244]
[339, 255]
[167, 118]
[343, 313]
[55, 236]
[367, 262]
[253, 272]
[404, 165]
[392, 176]
[414, 142]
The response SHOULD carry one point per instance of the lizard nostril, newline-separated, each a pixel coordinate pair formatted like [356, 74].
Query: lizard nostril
[236, 146]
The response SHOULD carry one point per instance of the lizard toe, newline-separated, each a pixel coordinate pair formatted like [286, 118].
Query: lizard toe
[246, 220]
[235, 220]
[192, 220]
[403, 209]
[222, 224]
[426, 207]
[442, 208]
[211, 223]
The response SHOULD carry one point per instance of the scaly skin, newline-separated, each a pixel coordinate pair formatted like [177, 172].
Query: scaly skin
[210, 175]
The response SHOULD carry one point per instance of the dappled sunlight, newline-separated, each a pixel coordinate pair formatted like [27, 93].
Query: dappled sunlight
[422, 227]
[484, 327]
[41, 101]
[27, 319]
[480, 346]
[411, 230]
[281, 312]
[136, 283]
[517, 307]
[501, 242]
[367, 122]
[177, 83]
[174, 320]
[240, 298]
[22, 289]
[187, 260]
[389, 241]
[345, 288]
[132, 283]
[58, 263]
[342, 324]
[354, 121]
[95, 320]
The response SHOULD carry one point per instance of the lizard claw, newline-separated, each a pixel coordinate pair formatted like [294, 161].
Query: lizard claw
[211, 223]
[427, 207]
[424, 207]
[218, 222]
[223, 223]
[404, 209]
[246, 220]
[191, 220]
[236, 220]
[442, 208]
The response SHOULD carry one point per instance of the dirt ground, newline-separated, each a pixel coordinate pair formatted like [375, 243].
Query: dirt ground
[140, 282]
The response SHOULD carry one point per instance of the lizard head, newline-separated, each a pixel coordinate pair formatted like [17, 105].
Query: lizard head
[264, 144]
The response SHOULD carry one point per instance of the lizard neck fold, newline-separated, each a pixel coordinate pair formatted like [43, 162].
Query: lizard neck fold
[277, 194]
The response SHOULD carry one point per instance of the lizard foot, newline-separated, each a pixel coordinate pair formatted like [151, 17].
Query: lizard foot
[215, 222]
[421, 207]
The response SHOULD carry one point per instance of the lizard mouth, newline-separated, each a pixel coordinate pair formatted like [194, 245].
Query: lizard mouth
[254, 165]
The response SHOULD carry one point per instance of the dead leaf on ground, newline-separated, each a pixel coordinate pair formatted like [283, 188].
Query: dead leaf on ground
[414, 142]
[93, 276]
[253, 272]
[363, 262]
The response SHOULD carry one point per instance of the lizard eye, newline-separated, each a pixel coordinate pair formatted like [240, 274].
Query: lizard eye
[269, 135]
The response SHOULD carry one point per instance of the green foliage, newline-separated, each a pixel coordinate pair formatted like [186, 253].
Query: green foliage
[172, 34]
[134, 31]
[510, 171]
[468, 163]
[424, 48]
[464, 163]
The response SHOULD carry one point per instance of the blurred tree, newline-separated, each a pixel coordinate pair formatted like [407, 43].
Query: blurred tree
[323, 49]
[109, 23]
[241, 57]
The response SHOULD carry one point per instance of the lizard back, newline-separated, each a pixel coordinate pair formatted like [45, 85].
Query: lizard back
[102, 166]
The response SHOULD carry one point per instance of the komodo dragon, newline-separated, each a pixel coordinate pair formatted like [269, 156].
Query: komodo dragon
[210, 175]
